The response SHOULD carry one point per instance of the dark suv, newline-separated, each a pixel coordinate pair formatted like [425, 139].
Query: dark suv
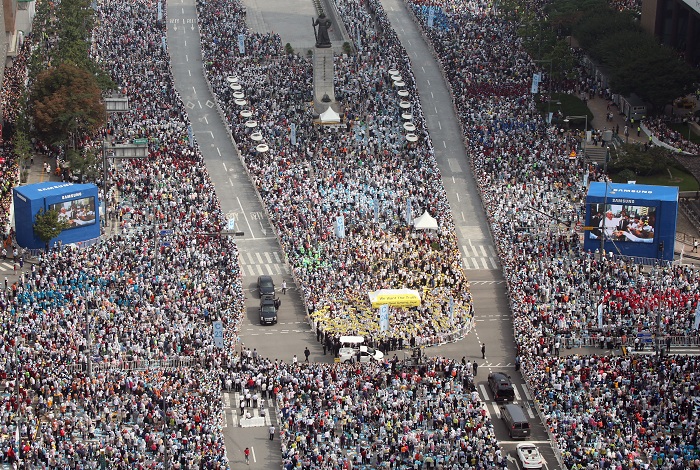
[501, 387]
[266, 286]
[268, 311]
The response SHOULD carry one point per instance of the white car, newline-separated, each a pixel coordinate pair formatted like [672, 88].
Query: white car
[529, 455]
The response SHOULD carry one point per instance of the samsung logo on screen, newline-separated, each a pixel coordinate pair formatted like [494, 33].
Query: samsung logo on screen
[55, 187]
[21, 197]
[636, 191]
[623, 201]
[71, 196]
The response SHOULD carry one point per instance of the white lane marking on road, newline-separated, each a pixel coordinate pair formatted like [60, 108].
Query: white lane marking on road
[223, 163]
[245, 217]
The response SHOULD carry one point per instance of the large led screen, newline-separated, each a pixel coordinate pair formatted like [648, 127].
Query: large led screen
[77, 212]
[622, 223]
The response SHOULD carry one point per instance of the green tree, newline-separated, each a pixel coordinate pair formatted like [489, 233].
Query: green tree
[47, 226]
[66, 103]
[23, 151]
[642, 162]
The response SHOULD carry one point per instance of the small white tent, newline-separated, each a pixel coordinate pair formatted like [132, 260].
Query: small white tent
[329, 117]
[425, 222]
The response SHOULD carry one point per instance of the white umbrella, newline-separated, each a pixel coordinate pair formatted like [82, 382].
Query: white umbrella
[403, 93]
[409, 126]
[262, 148]
[411, 137]
[239, 95]
[241, 102]
[246, 113]
[256, 136]
[405, 105]
[232, 79]
[251, 123]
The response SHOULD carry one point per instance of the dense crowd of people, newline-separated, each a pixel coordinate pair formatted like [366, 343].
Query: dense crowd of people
[335, 416]
[555, 288]
[128, 299]
[363, 170]
[121, 302]
[659, 128]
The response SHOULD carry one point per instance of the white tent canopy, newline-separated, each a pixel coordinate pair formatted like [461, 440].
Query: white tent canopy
[329, 117]
[425, 222]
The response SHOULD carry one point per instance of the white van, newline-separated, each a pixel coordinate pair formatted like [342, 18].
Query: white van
[353, 349]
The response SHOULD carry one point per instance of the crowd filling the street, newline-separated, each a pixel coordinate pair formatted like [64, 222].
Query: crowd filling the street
[82, 325]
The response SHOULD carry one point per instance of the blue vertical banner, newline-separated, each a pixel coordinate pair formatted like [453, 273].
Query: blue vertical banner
[340, 226]
[241, 43]
[218, 334]
[384, 317]
[697, 316]
[160, 11]
[600, 315]
[536, 78]
[451, 308]
[376, 210]
[359, 40]
[190, 136]
[293, 134]
[409, 213]
[431, 16]
[164, 44]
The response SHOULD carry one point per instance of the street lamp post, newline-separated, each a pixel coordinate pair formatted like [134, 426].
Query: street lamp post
[115, 103]
[137, 149]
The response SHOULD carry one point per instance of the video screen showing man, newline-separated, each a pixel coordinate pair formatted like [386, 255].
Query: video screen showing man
[623, 223]
[76, 213]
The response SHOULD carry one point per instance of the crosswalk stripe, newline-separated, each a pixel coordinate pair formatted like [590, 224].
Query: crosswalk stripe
[260, 269]
[483, 251]
[269, 270]
[260, 260]
[530, 412]
[232, 415]
[484, 393]
[277, 257]
[517, 394]
[483, 262]
[494, 263]
[268, 258]
[251, 271]
[250, 258]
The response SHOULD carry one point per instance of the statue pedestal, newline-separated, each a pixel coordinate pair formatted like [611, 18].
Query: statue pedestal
[324, 72]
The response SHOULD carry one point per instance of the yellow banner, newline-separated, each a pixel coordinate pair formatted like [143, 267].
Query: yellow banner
[395, 298]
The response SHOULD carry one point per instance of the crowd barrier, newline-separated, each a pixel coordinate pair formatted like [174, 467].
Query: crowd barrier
[604, 341]
[139, 364]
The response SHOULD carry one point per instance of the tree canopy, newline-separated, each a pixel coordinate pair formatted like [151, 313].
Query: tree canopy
[66, 102]
[633, 60]
[48, 226]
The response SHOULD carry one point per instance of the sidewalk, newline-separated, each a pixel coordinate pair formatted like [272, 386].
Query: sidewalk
[599, 107]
